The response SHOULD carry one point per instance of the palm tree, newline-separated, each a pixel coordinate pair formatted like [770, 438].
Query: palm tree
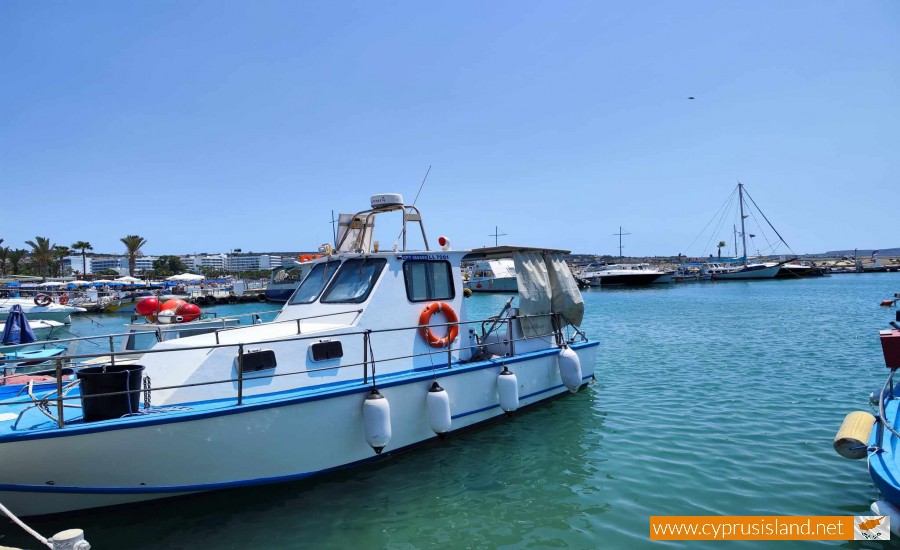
[720, 247]
[133, 244]
[42, 253]
[59, 254]
[4, 256]
[15, 257]
[83, 245]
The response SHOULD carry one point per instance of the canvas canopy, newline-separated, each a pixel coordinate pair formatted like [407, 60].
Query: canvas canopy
[546, 285]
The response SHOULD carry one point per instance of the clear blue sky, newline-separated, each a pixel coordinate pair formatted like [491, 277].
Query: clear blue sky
[206, 126]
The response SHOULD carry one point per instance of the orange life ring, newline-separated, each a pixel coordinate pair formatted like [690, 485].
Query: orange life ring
[43, 300]
[425, 319]
[64, 298]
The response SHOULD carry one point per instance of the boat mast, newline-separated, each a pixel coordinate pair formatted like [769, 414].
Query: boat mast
[497, 234]
[620, 233]
[743, 232]
[733, 228]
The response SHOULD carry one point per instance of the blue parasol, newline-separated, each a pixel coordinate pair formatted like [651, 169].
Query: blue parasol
[17, 329]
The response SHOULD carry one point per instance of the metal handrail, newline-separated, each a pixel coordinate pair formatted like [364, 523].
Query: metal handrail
[280, 374]
[881, 414]
[298, 337]
[368, 358]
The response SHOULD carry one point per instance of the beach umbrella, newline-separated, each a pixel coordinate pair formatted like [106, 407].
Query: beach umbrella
[185, 277]
[17, 330]
[52, 283]
[79, 283]
[13, 284]
[128, 279]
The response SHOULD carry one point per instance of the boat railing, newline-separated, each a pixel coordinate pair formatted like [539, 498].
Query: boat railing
[887, 391]
[557, 336]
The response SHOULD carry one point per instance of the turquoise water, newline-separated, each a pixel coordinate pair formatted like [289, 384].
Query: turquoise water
[711, 398]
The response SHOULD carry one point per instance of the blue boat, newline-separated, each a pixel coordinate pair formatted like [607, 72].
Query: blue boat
[30, 357]
[877, 437]
[284, 280]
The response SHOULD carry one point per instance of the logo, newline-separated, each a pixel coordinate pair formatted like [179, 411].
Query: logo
[871, 528]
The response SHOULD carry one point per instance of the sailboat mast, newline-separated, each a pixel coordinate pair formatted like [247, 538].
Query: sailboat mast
[743, 231]
[733, 228]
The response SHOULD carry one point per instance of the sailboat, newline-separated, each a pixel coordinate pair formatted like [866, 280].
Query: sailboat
[742, 268]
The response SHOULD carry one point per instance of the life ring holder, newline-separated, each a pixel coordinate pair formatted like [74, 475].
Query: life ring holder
[43, 300]
[425, 319]
[64, 298]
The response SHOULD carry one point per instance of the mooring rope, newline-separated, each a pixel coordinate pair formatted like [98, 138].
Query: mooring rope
[28, 529]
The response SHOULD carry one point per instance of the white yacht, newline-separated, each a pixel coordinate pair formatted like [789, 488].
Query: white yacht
[606, 275]
[40, 308]
[374, 353]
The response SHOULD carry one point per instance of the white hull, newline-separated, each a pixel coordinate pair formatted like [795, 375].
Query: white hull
[763, 273]
[53, 312]
[265, 441]
[498, 284]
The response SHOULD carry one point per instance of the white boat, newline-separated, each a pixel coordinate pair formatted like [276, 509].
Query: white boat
[495, 275]
[742, 268]
[38, 309]
[374, 353]
[606, 275]
[749, 270]
[42, 329]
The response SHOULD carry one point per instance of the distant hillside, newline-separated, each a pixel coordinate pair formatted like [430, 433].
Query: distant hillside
[862, 252]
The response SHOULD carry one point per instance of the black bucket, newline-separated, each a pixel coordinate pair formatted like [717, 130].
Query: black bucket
[110, 379]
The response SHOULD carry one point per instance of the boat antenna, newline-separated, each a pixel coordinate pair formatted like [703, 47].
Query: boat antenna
[620, 234]
[422, 185]
[333, 228]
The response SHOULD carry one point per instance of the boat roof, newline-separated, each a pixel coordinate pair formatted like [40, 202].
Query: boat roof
[506, 251]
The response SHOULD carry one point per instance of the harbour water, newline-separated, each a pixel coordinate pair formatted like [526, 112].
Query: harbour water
[711, 399]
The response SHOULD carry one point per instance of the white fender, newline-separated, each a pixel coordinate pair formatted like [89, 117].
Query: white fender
[885, 508]
[377, 420]
[438, 402]
[166, 317]
[508, 390]
[570, 369]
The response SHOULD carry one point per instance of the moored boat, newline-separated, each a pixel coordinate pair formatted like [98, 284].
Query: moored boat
[495, 275]
[41, 307]
[377, 346]
[616, 275]
[876, 437]
[795, 270]
[284, 280]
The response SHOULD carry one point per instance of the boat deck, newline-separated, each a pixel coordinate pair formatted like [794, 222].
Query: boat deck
[36, 425]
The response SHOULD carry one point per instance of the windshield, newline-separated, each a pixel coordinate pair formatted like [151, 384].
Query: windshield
[354, 281]
[313, 284]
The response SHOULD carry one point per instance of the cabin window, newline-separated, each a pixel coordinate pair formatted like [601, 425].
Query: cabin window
[313, 284]
[428, 281]
[354, 281]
